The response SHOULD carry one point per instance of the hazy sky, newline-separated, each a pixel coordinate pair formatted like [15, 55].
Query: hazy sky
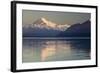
[29, 16]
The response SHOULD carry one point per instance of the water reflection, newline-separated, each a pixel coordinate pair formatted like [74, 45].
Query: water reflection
[55, 50]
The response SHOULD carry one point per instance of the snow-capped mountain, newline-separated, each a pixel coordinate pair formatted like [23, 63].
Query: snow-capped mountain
[44, 23]
[43, 28]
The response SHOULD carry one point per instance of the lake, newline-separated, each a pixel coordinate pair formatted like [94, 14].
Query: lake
[44, 50]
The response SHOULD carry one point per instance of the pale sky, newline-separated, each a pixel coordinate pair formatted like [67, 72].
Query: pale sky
[29, 16]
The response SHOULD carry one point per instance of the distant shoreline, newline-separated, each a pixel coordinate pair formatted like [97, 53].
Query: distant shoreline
[56, 38]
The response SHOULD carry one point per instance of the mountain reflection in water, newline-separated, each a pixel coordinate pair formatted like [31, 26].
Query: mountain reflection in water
[55, 50]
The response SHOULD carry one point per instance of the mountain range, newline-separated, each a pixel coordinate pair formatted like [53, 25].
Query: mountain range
[80, 30]
[45, 28]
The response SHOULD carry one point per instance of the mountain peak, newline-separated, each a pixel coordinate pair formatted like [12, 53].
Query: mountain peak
[43, 19]
[45, 23]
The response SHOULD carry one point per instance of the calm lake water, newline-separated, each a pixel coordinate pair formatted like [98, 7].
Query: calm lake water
[42, 50]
